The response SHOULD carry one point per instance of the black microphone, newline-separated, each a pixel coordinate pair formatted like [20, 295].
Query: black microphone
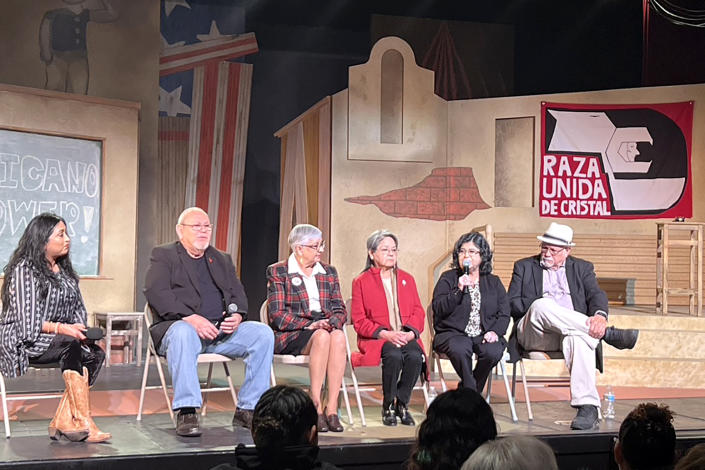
[466, 268]
[229, 310]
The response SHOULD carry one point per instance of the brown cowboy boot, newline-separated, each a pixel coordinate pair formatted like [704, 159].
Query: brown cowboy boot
[64, 422]
[79, 390]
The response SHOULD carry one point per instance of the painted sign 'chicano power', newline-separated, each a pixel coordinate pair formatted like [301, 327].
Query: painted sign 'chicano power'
[621, 161]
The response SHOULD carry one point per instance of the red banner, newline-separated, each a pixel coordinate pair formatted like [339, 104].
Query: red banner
[618, 162]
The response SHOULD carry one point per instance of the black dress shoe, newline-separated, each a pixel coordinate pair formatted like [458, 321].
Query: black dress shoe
[322, 423]
[619, 338]
[334, 423]
[243, 418]
[187, 425]
[388, 416]
[404, 416]
[586, 418]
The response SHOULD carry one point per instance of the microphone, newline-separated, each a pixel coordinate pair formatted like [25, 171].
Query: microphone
[466, 269]
[232, 308]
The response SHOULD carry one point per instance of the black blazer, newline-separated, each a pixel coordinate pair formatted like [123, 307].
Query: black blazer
[451, 307]
[172, 286]
[527, 285]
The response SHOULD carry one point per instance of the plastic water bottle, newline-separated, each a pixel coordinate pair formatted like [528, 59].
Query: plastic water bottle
[608, 411]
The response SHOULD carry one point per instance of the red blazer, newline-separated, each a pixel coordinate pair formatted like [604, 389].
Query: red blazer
[370, 313]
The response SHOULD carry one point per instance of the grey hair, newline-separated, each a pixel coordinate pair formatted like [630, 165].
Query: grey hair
[515, 452]
[373, 242]
[303, 233]
[187, 211]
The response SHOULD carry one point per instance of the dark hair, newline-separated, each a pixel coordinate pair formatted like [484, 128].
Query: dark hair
[457, 422]
[647, 437]
[283, 417]
[32, 249]
[694, 459]
[481, 244]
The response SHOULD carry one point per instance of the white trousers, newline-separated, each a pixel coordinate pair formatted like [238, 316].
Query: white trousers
[549, 327]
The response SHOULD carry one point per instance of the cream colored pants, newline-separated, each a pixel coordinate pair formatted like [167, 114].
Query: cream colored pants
[549, 327]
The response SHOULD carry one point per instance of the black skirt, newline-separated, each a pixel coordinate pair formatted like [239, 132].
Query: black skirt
[295, 346]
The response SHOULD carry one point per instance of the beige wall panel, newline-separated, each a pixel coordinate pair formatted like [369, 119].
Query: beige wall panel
[514, 161]
[424, 130]
[116, 123]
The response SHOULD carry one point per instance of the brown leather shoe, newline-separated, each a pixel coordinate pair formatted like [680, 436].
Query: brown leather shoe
[187, 425]
[243, 418]
[334, 423]
[322, 423]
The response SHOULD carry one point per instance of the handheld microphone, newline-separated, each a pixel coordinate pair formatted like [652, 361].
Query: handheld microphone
[466, 269]
[232, 308]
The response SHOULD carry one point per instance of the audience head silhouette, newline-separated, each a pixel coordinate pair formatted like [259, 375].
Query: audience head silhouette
[284, 416]
[457, 422]
[647, 439]
[515, 452]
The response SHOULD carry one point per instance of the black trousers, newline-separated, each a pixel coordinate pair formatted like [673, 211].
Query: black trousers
[72, 354]
[401, 368]
[460, 348]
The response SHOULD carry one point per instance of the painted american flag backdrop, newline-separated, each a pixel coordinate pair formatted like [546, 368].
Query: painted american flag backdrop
[204, 102]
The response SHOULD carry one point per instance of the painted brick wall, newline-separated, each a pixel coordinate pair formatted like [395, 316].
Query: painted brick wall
[448, 193]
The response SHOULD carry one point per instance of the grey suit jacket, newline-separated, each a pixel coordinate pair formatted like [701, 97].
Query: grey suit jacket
[527, 285]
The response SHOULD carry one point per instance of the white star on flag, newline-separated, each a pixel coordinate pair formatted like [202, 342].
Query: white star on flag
[214, 33]
[170, 102]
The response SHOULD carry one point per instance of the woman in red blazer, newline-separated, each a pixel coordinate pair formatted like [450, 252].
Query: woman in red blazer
[388, 318]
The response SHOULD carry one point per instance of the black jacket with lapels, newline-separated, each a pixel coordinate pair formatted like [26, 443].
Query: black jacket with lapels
[527, 285]
[172, 285]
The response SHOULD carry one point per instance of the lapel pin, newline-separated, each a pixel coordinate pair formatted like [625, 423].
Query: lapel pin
[296, 281]
[210, 260]
[403, 282]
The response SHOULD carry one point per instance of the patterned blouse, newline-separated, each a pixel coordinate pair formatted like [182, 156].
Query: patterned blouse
[21, 321]
[473, 327]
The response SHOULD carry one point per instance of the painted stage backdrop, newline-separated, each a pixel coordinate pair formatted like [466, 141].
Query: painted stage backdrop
[204, 102]
[627, 161]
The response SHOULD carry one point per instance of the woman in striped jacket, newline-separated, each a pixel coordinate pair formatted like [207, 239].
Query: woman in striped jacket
[43, 321]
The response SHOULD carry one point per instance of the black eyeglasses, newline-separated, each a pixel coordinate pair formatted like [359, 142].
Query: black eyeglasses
[199, 227]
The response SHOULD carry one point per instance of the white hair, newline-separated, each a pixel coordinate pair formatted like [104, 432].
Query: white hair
[187, 211]
[515, 452]
[304, 233]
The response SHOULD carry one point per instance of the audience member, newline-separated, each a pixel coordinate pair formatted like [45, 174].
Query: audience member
[647, 440]
[512, 453]
[694, 459]
[285, 434]
[457, 422]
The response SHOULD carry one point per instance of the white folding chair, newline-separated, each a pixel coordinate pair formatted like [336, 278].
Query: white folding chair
[538, 356]
[6, 397]
[351, 333]
[205, 358]
[436, 360]
[300, 360]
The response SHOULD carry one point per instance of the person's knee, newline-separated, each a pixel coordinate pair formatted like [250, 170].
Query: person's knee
[262, 332]
[180, 336]
[321, 338]
[540, 306]
[337, 339]
[391, 355]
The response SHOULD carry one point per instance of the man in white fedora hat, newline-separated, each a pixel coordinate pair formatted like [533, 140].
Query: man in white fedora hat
[557, 305]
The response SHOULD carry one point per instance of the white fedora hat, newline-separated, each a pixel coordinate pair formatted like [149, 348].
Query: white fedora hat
[557, 234]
